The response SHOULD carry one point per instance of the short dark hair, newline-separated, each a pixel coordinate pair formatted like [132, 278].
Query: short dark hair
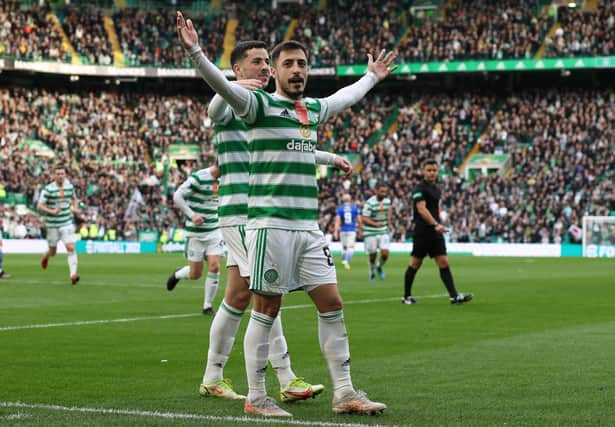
[381, 184]
[429, 161]
[287, 45]
[59, 166]
[242, 47]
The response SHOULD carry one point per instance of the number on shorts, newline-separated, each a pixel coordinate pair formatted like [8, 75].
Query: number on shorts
[328, 255]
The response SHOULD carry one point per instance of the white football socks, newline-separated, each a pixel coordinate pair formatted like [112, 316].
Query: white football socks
[221, 338]
[256, 350]
[211, 287]
[183, 273]
[72, 263]
[278, 353]
[334, 346]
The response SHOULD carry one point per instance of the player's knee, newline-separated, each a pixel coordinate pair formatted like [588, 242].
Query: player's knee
[332, 304]
[214, 268]
[384, 254]
[416, 263]
[239, 299]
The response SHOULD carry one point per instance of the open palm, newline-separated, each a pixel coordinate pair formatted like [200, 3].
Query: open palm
[186, 32]
[382, 67]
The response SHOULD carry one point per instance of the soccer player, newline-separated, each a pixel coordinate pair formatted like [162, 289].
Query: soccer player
[250, 61]
[377, 223]
[428, 235]
[347, 222]
[198, 199]
[57, 203]
[285, 245]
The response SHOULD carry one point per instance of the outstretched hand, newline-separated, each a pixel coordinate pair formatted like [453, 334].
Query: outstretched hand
[186, 32]
[382, 66]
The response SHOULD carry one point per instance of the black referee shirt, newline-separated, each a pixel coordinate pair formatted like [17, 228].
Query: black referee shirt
[430, 193]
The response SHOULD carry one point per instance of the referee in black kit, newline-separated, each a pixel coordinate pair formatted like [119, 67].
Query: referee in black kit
[428, 235]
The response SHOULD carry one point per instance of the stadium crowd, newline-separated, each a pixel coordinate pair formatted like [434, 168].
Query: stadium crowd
[148, 37]
[584, 33]
[29, 34]
[85, 29]
[481, 29]
[561, 143]
[338, 34]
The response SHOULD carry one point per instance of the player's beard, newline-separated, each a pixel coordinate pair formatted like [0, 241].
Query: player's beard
[293, 93]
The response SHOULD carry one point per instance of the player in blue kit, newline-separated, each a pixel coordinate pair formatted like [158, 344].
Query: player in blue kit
[347, 224]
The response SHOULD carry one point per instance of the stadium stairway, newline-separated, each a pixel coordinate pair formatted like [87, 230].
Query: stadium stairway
[229, 42]
[118, 56]
[66, 44]
[290, 31]
[215, 5]
[541, 51]
[120, 4]
[590, 6]
[483, 134]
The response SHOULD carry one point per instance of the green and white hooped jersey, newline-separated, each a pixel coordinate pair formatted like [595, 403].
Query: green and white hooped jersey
[282, 185]
[54, 197]
[234, 162]
[200, 194]
[377, 211]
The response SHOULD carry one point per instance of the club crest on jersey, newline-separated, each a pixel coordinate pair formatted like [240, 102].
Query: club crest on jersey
[305, 131]
[301, 145]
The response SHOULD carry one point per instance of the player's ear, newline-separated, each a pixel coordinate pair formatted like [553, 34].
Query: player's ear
[236, 70]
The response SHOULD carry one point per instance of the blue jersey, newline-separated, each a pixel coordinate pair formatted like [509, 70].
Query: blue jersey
[349, 215]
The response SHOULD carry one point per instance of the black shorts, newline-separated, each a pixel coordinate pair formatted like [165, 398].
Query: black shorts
[432, 245]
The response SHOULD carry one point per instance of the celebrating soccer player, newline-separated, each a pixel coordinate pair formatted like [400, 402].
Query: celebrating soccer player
[285, 245]
[250, 61]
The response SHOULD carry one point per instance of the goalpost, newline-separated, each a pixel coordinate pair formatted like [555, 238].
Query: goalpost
[599, 236]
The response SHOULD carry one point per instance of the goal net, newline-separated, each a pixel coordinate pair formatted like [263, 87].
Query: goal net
[599, 236]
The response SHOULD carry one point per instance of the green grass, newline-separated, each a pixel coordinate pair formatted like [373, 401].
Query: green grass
[535, 347]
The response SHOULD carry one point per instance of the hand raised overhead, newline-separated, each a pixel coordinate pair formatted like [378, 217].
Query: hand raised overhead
[382, 66]
[188, 36]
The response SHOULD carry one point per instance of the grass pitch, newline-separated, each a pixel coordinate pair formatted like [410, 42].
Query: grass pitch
[535, 347]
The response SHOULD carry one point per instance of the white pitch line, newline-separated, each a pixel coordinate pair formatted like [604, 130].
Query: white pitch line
[175, 415]
[177, 316]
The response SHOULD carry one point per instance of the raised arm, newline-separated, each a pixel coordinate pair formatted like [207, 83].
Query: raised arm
[350, 95]
[241, 100]
[219, 111]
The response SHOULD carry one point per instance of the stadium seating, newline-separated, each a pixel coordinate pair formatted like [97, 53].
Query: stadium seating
[335, 35]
